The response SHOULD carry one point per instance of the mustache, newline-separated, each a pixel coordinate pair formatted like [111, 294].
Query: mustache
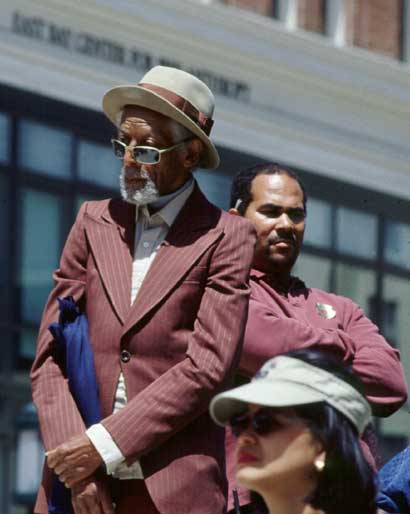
[290, 238]
[134, 172]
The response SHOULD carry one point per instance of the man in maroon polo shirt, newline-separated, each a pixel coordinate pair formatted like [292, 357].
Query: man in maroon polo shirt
[285, 314]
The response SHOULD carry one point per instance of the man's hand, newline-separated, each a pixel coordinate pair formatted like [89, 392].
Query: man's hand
[74, 460]
[91, 496]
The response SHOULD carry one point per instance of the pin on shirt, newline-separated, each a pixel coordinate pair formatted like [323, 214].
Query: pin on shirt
[325, 310]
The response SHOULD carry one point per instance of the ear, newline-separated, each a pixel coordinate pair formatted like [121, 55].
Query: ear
[193, 153]
[233, 211]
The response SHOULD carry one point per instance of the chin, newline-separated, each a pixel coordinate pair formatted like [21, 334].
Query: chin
[249, 477]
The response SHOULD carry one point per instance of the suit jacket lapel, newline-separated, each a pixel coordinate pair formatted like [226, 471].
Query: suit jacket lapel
[111, 238]
[193, 231]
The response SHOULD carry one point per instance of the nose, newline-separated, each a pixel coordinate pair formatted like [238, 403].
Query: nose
[284, 222]
[128, 159]
[246, 437]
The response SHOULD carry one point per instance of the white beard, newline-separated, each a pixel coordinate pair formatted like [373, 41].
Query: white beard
[139, 196]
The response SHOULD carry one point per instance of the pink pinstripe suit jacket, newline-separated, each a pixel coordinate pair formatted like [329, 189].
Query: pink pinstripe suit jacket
[184, 333]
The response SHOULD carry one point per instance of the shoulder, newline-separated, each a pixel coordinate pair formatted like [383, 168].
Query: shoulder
[96, 208]
[110, 209]
[232, 222]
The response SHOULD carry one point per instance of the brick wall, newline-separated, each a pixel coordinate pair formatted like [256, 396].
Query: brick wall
[372, 24]
[311, 15]
[375, 25]
[265, 7]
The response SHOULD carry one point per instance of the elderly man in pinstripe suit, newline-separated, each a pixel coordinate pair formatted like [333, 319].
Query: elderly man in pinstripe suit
[162, 276]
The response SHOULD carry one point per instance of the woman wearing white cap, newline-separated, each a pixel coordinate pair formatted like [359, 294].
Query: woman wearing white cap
[298, 424]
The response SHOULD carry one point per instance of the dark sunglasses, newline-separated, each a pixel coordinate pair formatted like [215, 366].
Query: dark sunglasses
[262, 422]
[143, 154]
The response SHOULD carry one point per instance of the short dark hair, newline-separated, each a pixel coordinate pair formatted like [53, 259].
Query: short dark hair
[347, 482]
[242, 183]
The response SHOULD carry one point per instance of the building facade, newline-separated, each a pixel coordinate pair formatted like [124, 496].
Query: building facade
[320, 86]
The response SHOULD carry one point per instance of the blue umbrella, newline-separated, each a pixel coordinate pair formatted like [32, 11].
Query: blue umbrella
[74, 347]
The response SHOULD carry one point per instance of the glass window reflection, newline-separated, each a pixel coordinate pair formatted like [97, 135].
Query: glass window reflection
[98, 164]
[356, 233]
[314, 271]
[40, 249]
[27, 344]
[318, 223]
[358, 284]
[216, 186]
[397, 243]
[4, 139]
[4, 244]
[44, 149]
[396, 297]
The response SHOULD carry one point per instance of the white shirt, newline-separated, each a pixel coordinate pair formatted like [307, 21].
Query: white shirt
[150, 232]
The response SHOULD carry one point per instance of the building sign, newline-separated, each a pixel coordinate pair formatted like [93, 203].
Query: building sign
[110, 51]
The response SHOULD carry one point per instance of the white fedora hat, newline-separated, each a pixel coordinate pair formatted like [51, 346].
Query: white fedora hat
[173, 93]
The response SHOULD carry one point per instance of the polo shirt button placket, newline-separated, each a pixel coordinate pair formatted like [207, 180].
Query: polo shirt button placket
[125, 356]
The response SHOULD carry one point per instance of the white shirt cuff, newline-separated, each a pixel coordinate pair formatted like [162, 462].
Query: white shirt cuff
[105, 446]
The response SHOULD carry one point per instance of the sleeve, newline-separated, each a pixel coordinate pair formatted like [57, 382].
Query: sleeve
[360, 344]
[105, 446]
[184, 391]
[377, 363]
[268, 334]
[58, 415]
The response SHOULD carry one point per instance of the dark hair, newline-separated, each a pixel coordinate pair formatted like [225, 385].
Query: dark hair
[242, 183]
[347, 482]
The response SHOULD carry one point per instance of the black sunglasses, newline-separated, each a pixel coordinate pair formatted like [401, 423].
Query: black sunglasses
[262, 422]
[143, 154]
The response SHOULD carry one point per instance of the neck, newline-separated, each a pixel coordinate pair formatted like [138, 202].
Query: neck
[287, 505]
[280, 281]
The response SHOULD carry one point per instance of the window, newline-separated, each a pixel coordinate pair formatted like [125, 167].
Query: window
[356, 283]
[215, 185]
[356, 233]
[4, 139]
[98, 164]
[397, 243]
[318, 223]
[4, 244]
[314, 271]
[44, 149]
[39, 250]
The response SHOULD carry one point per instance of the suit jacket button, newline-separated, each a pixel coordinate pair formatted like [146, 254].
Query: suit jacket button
[125, 355]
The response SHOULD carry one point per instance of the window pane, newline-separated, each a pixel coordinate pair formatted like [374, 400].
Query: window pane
[40, 248]
[80, 199]
[215, 186]
[98, 164]
[27, 345]
[318, 223]
[4, 245]
[358, 284]
[44, 149]
[397, 244]
[356, 233]
[314, 271]
[396, 298]
[4, 139]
